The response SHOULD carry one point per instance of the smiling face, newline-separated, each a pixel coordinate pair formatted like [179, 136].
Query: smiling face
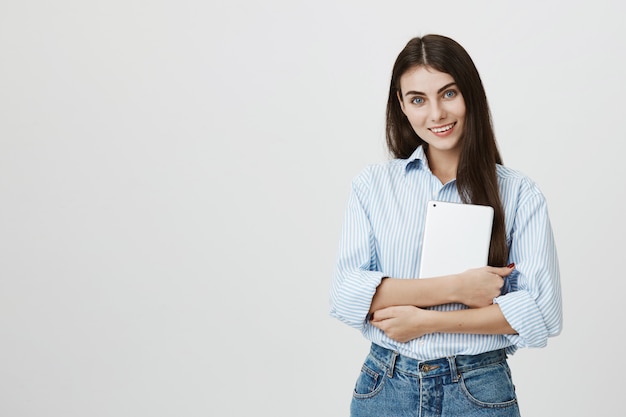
[435, 108]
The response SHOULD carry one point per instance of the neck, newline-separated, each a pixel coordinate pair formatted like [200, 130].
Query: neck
[443, 164]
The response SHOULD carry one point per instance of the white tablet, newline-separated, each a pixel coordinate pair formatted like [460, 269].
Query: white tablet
[456, 238]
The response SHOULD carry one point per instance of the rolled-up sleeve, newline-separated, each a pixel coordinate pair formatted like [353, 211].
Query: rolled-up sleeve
[533, 307]
[356, 274]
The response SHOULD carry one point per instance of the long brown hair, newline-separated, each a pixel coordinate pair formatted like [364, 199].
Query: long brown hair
[476, 178]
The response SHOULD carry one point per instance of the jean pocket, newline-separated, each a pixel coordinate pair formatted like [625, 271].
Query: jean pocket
[370, 380]
[489, 386]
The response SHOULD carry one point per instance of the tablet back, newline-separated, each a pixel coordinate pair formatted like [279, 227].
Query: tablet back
[456, 238]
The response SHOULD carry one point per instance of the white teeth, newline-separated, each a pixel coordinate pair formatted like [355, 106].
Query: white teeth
[442, 129]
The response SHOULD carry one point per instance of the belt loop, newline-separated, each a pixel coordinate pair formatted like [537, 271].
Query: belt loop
[392, 364]
[453, 371]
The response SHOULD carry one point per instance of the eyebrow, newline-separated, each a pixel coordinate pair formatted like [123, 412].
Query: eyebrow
[419, 93]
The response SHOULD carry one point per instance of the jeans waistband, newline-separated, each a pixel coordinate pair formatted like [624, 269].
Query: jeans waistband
[452, 365]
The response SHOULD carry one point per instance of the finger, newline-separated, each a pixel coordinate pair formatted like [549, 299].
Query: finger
[502, 271]
[506, 270]
[382, 325]
[382, 314]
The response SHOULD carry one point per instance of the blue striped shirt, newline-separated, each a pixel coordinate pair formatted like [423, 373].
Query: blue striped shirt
[382, 235]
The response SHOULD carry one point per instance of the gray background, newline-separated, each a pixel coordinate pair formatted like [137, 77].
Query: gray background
[173, 176]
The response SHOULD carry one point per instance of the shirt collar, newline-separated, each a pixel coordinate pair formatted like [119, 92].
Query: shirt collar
[417, 159]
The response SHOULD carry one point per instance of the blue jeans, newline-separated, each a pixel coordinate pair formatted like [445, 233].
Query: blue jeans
[392, 385]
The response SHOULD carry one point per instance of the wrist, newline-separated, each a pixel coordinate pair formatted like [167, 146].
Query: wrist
[430, 321]
[454, 286]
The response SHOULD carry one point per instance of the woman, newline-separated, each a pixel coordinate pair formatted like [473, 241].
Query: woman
[439, 346]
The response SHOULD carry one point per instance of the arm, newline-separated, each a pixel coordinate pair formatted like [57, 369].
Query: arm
[423, 293]
[474, 288]
[484, 320]
[356, 274]
[404, 323]
[534, 306]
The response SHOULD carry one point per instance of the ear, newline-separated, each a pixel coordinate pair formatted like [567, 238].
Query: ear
[399, 95]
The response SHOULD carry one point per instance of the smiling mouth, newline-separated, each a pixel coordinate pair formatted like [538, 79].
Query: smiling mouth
[442, 129]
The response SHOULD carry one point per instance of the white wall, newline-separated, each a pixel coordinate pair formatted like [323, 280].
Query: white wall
[173, 176]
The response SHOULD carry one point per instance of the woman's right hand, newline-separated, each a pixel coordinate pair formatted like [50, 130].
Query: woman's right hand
[479, 286]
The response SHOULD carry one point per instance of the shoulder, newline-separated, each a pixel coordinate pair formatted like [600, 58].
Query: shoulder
[381, 172]
[517, 186]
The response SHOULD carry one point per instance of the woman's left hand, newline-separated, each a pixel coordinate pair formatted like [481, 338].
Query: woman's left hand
[402, 323]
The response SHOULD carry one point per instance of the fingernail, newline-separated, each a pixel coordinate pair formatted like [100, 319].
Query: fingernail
[512, 265]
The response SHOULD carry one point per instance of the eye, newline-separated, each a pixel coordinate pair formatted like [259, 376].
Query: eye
[449, 94]
[417, 100]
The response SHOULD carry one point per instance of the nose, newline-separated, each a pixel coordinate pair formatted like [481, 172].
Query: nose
[437, 112]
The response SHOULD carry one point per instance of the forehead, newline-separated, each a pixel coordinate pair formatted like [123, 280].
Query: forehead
[424, 79]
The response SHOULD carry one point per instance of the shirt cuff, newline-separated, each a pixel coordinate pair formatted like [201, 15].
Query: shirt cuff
[520, 310]
[352, 306]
